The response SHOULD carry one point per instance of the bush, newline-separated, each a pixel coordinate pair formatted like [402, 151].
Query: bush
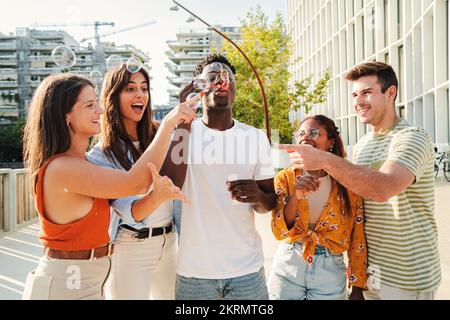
[11, 141]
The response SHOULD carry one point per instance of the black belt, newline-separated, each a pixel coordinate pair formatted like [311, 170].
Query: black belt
[144, 233]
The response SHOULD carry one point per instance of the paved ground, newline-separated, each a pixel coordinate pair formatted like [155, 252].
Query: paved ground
[20, 251]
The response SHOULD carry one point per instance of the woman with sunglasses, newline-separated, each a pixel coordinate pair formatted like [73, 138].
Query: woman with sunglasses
[318, 220]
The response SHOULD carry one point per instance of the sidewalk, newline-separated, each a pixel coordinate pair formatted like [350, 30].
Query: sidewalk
[20, 251]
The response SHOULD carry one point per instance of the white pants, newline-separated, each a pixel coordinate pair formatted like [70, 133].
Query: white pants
[143, 269]
[64, 279]
[389, 293]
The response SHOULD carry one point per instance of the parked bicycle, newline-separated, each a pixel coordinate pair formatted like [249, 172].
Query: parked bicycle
[442, 163]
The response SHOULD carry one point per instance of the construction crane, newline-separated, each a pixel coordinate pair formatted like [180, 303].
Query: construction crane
[120, 30]
[99, 55]
[96, 25]
[99, 52]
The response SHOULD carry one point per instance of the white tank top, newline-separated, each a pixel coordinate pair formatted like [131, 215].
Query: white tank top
[318, 200]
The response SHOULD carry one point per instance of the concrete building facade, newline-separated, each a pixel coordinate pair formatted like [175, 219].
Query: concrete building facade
[411, 35]
[26, 59]
[192, 46]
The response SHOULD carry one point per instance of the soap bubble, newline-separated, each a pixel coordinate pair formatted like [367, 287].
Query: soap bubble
[134, 65]
[114, 62]
[95, 76]
[194, 105]
[64, 57]
[225, 76]
[216, 67]
[201, 84]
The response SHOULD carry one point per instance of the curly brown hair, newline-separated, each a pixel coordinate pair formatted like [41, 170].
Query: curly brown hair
[214, 57]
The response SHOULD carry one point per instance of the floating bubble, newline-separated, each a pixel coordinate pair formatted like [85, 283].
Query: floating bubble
[216, 67]
[201, 84]
[225, 76]
[95, 76]
[134, 65]
[212, 77]
[64, 57]
[114, 62]
[194, 105]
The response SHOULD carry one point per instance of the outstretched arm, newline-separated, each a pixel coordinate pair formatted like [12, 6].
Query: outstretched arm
[81, 177]
[378, 185]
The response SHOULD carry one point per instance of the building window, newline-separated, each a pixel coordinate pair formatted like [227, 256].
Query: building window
[401, 64]
[373, 18]
[363, 35]
[400, 18]
[448, 112]
[386, 22]
[401, 112]
[447, 36]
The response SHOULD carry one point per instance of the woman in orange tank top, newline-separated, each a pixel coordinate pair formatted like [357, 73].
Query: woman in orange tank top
[71, 193]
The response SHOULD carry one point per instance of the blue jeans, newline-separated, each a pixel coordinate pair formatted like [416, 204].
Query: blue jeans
[248, 287]
[176, 212]
[292, 278]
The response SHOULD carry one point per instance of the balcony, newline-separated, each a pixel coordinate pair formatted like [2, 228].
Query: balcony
[47, 47]
[84, 62]
[34, 83]
[175, 68]
[9, 111]
[8, 46]
[41, 58]
[8, 84]
[186, 56]
[193, 32]
[179, 80]
[189, 44]
[44, 71]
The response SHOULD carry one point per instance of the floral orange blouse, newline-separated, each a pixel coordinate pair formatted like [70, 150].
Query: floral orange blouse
[335, 229]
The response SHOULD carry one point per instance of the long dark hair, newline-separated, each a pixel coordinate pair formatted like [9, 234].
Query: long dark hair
[113, 131]
[338, 149]
[46, 132]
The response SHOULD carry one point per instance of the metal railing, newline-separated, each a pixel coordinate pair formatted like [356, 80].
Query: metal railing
[16, 202]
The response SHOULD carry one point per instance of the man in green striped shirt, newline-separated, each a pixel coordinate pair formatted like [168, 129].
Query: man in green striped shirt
[393, 172]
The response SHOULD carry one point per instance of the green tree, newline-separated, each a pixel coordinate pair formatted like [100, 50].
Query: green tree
[269, 48]
[11, 137]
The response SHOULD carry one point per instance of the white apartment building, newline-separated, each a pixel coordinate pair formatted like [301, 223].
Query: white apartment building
[25, 60]
[192, 46]
[411, 35]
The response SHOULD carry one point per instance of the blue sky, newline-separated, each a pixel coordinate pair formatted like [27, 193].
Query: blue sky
[123, 13]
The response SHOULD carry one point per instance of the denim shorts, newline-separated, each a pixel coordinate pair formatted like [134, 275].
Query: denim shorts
[292, 278]
[248, 287]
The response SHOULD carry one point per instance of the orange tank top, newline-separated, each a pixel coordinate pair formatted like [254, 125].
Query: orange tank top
[89, 232]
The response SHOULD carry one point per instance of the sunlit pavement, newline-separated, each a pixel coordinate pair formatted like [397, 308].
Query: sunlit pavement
[20, 251]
